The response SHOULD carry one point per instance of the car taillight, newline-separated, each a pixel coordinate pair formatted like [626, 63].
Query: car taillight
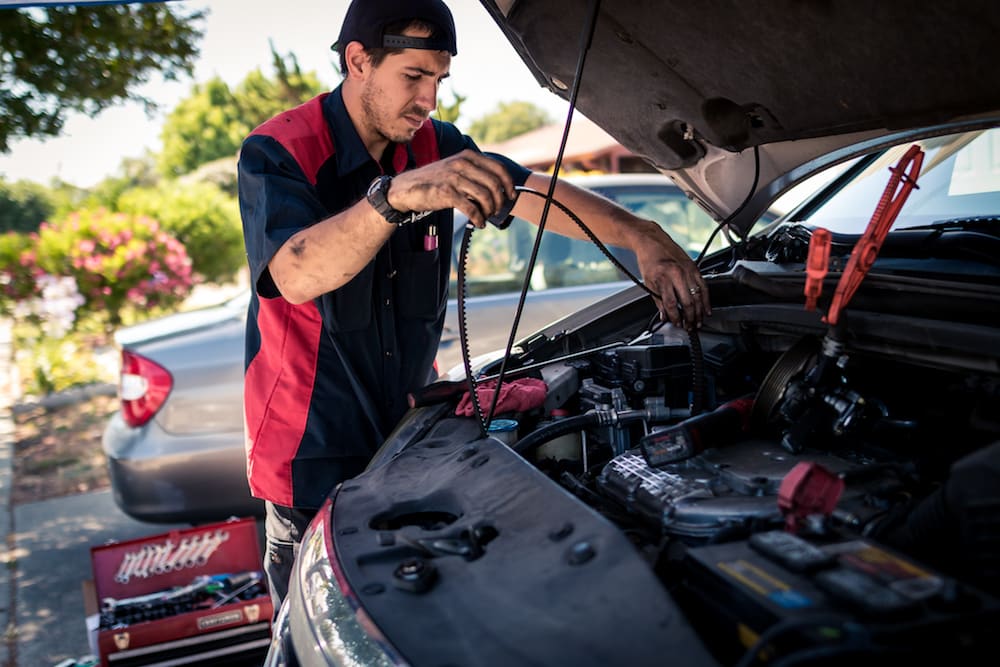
[144, 388]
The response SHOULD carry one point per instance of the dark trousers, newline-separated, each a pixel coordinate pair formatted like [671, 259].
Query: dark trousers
[284, 527]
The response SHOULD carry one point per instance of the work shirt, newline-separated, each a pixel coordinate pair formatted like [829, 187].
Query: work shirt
[327, 380]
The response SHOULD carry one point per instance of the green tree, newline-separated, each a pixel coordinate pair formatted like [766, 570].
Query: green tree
[86, 58]
[508, 120]
[205, 126]
[24, 206]
[213, 121]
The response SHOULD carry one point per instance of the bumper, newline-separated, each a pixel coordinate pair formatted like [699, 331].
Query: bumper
[161, 478]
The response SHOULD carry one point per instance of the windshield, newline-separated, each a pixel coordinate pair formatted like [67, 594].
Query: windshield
[960, 178]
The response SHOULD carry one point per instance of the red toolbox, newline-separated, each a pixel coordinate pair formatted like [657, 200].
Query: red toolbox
[185, 597]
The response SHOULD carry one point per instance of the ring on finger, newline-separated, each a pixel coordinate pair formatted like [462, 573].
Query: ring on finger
[694, 290]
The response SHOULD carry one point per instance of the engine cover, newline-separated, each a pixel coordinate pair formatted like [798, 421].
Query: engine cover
[713, 492]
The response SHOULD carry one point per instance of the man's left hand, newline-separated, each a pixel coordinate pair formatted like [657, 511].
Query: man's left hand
[670, 273]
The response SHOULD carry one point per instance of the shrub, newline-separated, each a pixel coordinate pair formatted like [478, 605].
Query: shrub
[49, 357]
[202, 217]
[17, 269]
[23, 206]
[118, 261]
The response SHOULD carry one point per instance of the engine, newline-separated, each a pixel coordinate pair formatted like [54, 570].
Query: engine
[764, 483]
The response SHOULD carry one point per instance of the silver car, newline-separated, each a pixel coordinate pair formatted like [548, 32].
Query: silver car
[175, 449]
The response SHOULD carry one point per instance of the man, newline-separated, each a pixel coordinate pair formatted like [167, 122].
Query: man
[347, 214]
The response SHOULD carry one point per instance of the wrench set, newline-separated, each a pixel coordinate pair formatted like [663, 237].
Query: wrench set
[154, 559]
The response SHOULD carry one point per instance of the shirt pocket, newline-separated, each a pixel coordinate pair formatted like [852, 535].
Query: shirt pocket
[419, 286]
[351, 303]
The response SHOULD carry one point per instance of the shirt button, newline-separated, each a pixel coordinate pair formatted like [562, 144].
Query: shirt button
[388, 353]
[387, 302]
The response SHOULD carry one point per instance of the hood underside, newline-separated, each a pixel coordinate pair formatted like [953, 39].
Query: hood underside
[691, 85]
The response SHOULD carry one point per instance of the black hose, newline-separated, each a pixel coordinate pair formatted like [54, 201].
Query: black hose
[560, 427]
[557, 428]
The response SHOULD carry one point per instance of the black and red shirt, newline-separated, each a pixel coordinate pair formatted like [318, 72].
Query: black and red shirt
[327, 380]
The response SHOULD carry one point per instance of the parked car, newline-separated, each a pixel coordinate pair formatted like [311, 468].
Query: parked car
[809, 478]
[568, 273]
[175, 449]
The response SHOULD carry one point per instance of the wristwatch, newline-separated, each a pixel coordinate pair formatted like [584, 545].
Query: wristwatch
[378, 197]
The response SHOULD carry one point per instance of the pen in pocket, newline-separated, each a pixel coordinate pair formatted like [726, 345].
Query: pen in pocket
[431, 238]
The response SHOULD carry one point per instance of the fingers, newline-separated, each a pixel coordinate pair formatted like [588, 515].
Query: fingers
[474, 184]
[484, 183]
[682, 296]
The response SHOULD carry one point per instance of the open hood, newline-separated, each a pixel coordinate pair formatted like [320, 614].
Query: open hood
[691, 86]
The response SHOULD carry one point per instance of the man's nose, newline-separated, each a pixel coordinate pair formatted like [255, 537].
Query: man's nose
[427, 96]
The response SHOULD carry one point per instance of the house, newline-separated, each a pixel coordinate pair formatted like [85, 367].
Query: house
[589, 148]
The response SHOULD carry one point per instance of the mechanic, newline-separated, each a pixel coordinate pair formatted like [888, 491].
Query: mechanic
[347, 205]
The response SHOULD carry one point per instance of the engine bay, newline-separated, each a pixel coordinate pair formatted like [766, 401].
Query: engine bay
[788, 484]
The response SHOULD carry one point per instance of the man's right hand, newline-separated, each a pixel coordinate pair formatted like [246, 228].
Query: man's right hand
[476, 185]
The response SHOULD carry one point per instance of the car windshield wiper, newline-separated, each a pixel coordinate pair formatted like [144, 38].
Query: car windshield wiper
[979, 223]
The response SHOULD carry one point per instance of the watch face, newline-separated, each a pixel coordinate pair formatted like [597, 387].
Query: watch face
[376, 186]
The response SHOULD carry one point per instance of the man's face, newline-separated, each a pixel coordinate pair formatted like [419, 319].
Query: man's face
[399, 94]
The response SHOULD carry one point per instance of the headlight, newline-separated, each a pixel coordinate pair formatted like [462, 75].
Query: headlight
[326, 621]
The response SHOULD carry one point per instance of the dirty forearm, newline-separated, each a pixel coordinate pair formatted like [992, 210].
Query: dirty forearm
[325, 256]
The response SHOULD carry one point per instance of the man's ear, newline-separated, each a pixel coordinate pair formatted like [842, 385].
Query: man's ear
[356, 59]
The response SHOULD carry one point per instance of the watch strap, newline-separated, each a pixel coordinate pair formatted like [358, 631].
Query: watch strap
[378, 197]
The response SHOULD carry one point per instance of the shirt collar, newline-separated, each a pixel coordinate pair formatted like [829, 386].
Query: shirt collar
[349, 149]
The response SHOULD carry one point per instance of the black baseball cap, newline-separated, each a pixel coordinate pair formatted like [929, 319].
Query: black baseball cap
[366, 21]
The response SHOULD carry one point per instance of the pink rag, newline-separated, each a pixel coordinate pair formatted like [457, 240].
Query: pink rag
[515, 396]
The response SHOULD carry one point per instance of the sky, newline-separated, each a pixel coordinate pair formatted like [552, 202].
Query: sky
[486, 71]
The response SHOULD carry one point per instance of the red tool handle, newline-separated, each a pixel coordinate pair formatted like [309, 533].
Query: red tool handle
[902, 181]
[817, 265]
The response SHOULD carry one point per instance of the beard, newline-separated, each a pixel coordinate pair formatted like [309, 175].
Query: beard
[380, 120]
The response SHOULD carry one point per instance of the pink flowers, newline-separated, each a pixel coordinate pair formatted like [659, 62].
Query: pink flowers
[119, 261]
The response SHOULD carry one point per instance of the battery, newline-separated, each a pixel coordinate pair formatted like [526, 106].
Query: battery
[827, 596]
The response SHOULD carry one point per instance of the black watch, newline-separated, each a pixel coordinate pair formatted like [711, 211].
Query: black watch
[378, 197]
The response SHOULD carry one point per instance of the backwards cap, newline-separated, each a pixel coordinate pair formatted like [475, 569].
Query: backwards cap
[366, 21]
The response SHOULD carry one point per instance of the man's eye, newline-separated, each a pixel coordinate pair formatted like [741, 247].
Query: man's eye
[412, 77]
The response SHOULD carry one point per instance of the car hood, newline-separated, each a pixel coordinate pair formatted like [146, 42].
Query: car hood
[693, 86]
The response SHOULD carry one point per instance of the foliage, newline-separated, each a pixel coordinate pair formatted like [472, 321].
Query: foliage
[54, 309]
[510, 119]
[205, 126]
[449, 113]
[200, 216]
[119, 261]
[134, 172]
[86, 58]
[220, 173]
[47, 365]
[17, 269]
[50, 356]
[213, 121]
[23, 206]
